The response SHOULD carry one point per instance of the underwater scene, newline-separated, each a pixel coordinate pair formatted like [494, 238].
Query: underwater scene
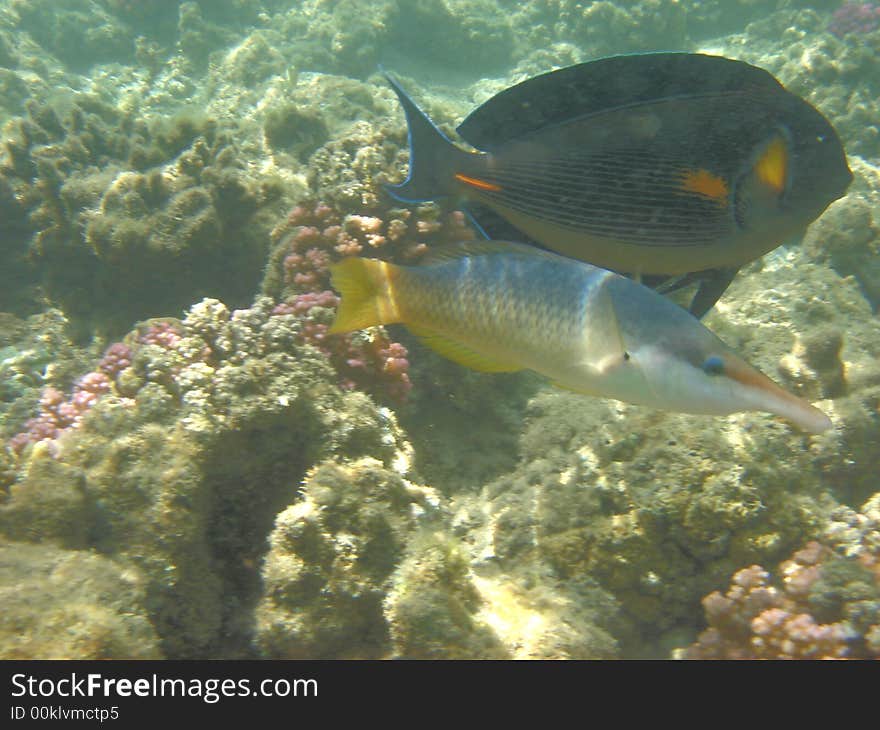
[439, 329]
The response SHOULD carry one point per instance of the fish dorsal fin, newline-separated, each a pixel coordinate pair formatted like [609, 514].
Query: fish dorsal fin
[462, 354]
[602, 85]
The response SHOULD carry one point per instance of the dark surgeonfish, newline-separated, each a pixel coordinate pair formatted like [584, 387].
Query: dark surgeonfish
[672, 167]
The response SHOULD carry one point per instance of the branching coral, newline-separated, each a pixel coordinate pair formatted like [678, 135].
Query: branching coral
[368, 361]
[828, 607]
[313, 236]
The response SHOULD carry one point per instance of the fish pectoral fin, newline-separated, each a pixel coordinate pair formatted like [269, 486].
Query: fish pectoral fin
[462, 354]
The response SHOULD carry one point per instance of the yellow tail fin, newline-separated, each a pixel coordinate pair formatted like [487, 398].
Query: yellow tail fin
[366, 286]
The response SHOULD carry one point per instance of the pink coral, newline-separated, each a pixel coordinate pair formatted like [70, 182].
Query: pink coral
[756, 620]
[372, 363]
[116, 358]
[859, 18]
[314, 235]
[58, 414]
[160, 333]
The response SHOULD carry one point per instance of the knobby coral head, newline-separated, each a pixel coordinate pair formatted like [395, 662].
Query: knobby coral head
[315, 235]
[364, 361]
[825, 607]
[855, 18]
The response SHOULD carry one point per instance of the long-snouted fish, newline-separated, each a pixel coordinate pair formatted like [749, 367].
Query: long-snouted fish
[671, 166]
[497, 306]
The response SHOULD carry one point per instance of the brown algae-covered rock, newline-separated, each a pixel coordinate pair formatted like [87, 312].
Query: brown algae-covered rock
[71, 604]
[331, 559]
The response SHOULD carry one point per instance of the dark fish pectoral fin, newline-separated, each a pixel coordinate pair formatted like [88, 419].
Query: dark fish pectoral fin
[712, 285]
[433, 158]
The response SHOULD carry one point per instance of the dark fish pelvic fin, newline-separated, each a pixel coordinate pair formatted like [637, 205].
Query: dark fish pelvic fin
[710, 290]
[712, 283]
[433, 158]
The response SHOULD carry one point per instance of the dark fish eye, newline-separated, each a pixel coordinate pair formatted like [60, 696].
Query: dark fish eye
[713, 365]
[626, 356]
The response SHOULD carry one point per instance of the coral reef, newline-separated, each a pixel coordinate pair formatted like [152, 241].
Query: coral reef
[827, 605]
[65, 604]
[315, 234]
[433, 609]
[847, 236]
[331, 559]
[834, 74]
[183, 467]
[606, 28]
[130, 219]
[854, 17]
[225, 484]
[80, 33]
[35, 353]
[659, 508]
[367, 360]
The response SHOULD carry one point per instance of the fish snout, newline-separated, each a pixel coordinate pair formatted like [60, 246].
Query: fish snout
[765, 395]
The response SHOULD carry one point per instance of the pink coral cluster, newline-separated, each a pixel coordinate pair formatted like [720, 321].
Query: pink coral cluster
[373, 363]
[59, 414]
[160, 333]
[314, 235]
[756, 620]
[116, 358]
[859, 18]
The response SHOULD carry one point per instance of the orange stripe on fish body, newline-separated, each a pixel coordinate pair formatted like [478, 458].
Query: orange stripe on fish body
[702, 182]
[772, 166]
[475, 182]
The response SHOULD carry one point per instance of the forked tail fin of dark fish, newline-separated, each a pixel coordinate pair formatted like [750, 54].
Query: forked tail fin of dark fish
[433, 159]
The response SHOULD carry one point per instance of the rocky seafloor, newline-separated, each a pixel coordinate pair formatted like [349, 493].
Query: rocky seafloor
[191, 468]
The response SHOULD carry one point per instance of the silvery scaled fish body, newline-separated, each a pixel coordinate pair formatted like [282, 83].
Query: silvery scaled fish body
[499, 306]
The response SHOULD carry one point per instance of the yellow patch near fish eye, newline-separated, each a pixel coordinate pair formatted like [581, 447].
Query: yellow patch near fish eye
[772, 165]
[703, 182]
[477, 183]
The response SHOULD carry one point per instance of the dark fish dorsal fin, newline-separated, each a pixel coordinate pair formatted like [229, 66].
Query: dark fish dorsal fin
[602, 85]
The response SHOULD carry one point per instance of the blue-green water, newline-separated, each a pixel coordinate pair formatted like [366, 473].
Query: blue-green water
[193, 469]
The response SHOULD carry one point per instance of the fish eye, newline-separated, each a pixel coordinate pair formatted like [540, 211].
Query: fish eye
[713, 365]
[626, 356]
[820, 138]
